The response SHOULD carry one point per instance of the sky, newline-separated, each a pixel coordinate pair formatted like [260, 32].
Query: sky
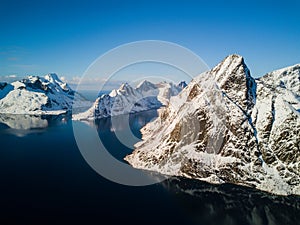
[65, 37]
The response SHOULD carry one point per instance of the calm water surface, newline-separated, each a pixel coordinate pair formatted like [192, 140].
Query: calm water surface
[45, 180]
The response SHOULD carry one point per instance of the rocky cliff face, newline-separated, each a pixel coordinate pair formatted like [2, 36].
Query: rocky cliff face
[227, 127]
[277, 119]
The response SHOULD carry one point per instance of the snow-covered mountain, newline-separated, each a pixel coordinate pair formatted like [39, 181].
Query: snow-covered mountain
[38, 95]
[226, 127]
[127, 99]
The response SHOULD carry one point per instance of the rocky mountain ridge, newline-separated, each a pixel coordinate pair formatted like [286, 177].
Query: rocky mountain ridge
[226, 127]
[127, 99]
[38, 96]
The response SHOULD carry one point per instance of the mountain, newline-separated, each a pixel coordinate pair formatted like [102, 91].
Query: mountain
[127, 99]
[226, 127]
[38, 95]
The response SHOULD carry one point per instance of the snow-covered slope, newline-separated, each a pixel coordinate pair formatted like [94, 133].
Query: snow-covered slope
[227, 127]
[127, 99]
[38, 95]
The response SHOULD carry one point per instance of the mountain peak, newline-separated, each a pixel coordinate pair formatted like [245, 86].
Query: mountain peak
[229, 65]
[144, 82]
[248, 134]
[124, 86]
[145, 86]
[126, 89]
[52, 77]
[288, 77]
[37, 95]
[233, 77]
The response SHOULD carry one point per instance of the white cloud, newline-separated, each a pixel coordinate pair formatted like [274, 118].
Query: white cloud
[11, 76]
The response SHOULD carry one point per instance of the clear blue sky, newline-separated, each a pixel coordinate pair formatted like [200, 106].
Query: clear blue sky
[38, 37]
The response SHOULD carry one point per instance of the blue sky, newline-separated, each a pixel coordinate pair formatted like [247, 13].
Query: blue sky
[38, 37]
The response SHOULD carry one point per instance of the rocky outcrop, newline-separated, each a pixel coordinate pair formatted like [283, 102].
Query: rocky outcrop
[277, 119]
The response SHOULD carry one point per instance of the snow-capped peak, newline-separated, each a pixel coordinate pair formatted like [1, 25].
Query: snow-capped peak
[38, 95]
[227, 127]
[52, 77]
[288, 78]
[233, 77]
[127, 99]
[228, 69]
[124, 86]
[126, 89]
[145, 86]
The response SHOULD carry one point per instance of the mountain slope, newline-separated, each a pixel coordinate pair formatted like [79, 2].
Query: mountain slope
[127, 99]
[213, 131]
[37, 95]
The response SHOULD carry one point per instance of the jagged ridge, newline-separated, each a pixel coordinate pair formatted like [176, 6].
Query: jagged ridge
[37, 95]
[127, 99]
[227, 127]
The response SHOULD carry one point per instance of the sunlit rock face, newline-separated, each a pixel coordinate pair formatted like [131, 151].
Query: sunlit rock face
[276, 117]
[226, 127]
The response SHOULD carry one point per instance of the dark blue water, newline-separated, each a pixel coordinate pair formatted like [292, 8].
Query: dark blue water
[45, 180]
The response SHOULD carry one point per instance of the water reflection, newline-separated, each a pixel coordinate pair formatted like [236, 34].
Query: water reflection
[22, 125]
[231, 204]
[120, 133]
[122, 122]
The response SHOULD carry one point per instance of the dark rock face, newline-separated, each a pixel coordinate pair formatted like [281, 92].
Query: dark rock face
[182, 84]
[35, 84]
[227, 127]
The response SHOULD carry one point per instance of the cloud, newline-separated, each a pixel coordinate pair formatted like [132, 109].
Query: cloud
[11, 76]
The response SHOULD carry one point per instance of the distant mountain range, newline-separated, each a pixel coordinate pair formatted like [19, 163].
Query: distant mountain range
[36, 95]
[127, 99]
[226, 127]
